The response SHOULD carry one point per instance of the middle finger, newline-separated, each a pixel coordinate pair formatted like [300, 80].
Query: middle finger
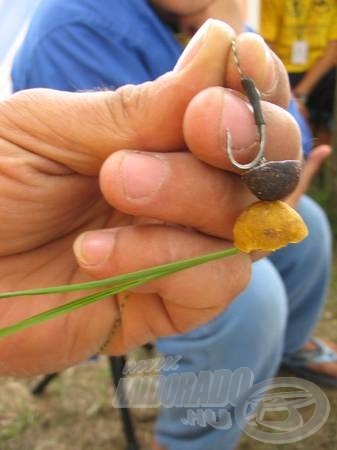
[215, 110]
[176, 188]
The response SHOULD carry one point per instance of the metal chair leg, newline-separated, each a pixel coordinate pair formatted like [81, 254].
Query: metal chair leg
[41, 386]
[117, 364]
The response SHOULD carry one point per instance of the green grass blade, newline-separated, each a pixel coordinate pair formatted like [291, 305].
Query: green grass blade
[157, 271]
[116, 284]
[64, 309]
[51, 313]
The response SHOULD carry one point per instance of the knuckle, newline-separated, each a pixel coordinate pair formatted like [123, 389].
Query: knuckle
[125, 107]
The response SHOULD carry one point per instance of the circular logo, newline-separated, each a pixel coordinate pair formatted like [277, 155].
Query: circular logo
[289, 396]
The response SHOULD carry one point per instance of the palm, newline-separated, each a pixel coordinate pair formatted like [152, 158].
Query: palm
[53, 205]
[48, 206]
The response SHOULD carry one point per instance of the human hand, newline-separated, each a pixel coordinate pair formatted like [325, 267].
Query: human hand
[54, 147]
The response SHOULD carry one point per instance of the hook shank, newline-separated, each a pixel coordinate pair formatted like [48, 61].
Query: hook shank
[254, 98]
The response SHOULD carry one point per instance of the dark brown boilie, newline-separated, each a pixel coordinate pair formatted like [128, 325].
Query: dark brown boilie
[273, 180]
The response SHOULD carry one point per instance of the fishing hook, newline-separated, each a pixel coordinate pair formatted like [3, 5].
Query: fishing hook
[254, 98]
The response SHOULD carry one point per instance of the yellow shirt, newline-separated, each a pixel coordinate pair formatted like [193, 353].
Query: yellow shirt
[283, 22]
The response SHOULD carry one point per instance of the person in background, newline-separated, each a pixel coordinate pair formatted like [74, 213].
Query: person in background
[303, 33]
[83, 45]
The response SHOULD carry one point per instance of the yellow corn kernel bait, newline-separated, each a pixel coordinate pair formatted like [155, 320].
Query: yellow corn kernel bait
[268, 226]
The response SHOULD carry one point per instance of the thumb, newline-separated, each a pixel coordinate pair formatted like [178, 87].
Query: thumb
[80, 130]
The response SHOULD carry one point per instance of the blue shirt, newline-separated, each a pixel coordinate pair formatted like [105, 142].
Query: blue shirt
[87, 44]
[93, 44]
[14, 15]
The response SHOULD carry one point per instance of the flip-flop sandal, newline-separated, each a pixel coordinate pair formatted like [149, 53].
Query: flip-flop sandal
[299, 362]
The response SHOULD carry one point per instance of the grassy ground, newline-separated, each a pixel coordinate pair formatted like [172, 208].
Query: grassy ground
[75, 412]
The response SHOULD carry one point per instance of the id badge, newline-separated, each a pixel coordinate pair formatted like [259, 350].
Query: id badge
[299, 52]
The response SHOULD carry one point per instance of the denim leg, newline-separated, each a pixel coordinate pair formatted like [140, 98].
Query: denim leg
[250, 333]
[305, 271]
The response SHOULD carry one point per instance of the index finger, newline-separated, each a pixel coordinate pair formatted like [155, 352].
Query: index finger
[251, 57]
[80, 130]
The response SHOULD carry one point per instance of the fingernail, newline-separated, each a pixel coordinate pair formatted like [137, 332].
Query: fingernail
[193, 46]
[94, 248]
[268, 77]
[142, 174]
[272, 75]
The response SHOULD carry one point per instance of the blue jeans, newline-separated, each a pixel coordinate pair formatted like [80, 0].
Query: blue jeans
[274, 316]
